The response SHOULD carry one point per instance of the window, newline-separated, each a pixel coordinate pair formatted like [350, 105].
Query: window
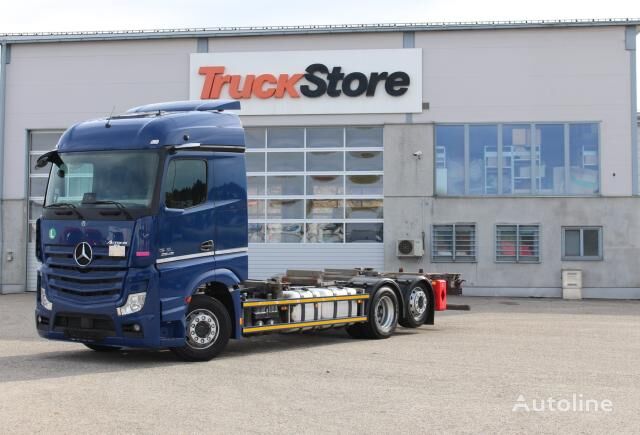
[517, 159]
[185, 183]
[315, 184]
[582, 243]
[453, 243]
[518, 243]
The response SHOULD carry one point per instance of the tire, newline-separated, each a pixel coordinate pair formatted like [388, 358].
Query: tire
[208, 328]
[418, 304]
[99, 348]
[383, 315]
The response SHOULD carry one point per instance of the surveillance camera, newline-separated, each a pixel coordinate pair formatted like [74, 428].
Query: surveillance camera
[418, 154]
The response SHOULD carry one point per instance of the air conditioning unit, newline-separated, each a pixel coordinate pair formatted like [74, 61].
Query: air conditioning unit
[409, 248]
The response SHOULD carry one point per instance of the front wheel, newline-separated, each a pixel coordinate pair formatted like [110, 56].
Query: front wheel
[208, 328]
[383, 315]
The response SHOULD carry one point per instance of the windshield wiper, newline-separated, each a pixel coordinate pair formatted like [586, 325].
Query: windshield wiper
[65, 205]
[119, 205]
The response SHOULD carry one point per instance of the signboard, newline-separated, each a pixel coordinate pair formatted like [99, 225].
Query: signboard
[311, 82]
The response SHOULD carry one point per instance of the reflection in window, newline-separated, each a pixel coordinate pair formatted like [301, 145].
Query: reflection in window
[364, 161]
[325, 185]
[325, 161]
[256, 233]
[325, 208]
[285, 233]
[364, 184]
[364, 209]
[550, 139]
[364, 137]
[285, 185]
[285, 162]
[255, 186]
[254, 137]
[255, 208]
[254, 162]
[325, 137]
[583, 159]
[325, 233]
[364, 233]
[516, 155]
[483, 159]
[285, 137]
[285, 209]
[449, 160]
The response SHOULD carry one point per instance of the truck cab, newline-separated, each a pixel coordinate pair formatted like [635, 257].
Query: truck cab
[143, 242]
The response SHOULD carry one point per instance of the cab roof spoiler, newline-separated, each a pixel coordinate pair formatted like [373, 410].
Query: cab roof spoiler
[188, 106]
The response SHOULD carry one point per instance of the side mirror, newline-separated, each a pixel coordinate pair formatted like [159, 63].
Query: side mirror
[49, 157]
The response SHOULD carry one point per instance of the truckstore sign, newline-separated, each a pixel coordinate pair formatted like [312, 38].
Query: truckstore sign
[311, 82]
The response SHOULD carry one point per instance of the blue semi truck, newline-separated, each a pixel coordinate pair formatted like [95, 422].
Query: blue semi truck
[143, 243]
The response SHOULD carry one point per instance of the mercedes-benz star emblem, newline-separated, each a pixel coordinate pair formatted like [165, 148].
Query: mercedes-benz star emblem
[83, 254]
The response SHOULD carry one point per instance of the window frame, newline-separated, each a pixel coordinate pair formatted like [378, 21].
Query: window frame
[582, 257]
[453, 258]
[206, 184]
[518, 260]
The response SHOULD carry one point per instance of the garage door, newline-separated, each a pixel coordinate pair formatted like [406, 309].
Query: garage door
[40, 141]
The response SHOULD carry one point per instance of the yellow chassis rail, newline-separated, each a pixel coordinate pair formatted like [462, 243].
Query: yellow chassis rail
[303, 324]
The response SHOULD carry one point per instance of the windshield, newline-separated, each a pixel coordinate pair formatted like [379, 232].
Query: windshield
[126, 177]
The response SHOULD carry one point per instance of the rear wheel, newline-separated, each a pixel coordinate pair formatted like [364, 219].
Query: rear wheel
[208, 328]
[417, 307]
[383, 315]
[99, 348]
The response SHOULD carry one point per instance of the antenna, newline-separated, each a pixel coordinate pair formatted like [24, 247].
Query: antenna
[108, 124]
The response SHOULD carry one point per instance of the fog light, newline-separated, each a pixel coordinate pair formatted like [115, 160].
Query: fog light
[136, 327]
[135, 303]
[39, 319]
[46, 303]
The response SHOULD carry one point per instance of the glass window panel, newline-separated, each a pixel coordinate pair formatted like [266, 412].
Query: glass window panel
[325, 233]
[506, 242]
[185, 183]
[285, 209]
[255, 208]
[516, 154]
[285, 233]
[44, 141]
[591, 242]
[325, 161]
[483, 159]
[255, 162]
[550, 142]
[285, 137]
[285, 185]
[528, 243]
[364, 161]
[325, 185]
[285, 162]
[256, 233]
[255, 186]
[35, 209]
[442, 242]
[37, 186]
[584, 159]
[572, 243]
[364, 209]
[364, 184]
[364, 136]
[364, 233]
[325, 137]
[254, 137]
[465, 242]
[449, 160]
[325, 208]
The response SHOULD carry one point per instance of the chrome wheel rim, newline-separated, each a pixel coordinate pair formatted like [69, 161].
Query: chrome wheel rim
[417, 302]
[202, 329]
[385, 313]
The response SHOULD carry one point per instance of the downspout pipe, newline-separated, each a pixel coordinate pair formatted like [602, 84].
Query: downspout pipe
[3, 87]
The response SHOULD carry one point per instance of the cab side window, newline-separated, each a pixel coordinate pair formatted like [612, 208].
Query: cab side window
[185, 184]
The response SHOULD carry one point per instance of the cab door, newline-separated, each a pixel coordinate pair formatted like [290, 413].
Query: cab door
[186, 219]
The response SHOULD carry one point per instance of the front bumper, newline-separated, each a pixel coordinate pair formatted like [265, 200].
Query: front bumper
[100, 324]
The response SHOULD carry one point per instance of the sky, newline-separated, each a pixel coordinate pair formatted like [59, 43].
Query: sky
[18, 16]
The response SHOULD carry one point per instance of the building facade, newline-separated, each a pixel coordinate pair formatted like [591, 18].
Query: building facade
[504, 152]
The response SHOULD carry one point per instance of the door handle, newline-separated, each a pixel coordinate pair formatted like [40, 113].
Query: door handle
[206, 246]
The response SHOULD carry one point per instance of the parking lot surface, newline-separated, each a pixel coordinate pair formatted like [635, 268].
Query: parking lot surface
[474, 371]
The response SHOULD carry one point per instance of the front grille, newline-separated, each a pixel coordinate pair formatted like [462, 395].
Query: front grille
[102, 278]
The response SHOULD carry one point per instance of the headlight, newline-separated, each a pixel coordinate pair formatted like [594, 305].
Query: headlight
[135, 303]
[46, 303]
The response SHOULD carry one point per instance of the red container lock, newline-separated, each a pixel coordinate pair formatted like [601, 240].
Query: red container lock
[440, 293]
